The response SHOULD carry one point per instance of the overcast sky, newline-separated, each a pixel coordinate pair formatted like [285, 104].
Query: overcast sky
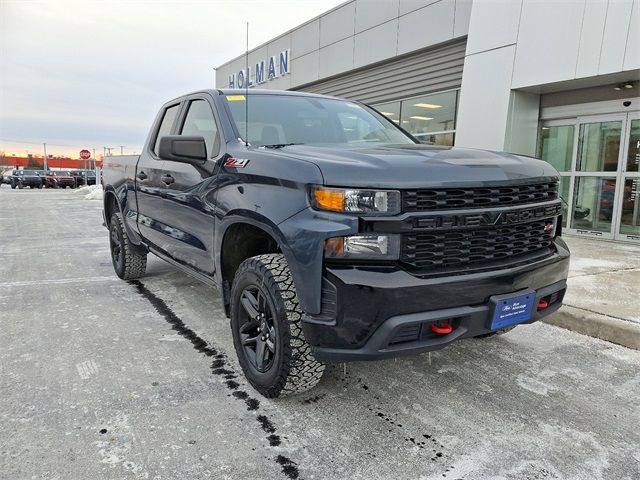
[91, 73]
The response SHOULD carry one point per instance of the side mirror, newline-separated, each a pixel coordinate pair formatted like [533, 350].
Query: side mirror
[182, 148]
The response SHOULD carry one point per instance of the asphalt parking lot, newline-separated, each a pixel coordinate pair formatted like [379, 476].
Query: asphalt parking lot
[105, 379]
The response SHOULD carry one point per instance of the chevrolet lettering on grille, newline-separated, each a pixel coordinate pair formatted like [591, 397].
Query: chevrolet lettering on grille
[487, 218]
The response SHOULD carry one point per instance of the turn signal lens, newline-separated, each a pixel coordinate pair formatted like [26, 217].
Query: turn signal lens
[326, 199]
[334, 247]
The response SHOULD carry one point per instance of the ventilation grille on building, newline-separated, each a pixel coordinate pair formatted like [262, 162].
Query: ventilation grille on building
[431, 70]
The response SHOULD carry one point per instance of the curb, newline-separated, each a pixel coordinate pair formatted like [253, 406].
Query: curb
[621, 332]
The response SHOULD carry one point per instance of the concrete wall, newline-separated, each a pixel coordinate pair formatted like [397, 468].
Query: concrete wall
[355, 34]
[522, 44]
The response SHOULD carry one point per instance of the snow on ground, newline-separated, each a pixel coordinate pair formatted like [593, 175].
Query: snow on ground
[91, 192]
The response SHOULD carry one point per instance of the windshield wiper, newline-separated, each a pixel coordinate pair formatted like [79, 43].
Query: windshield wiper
[280, 145]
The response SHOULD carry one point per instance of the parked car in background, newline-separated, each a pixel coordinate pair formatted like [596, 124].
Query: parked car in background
[78, 175]
[24, 178]
[90, 177]
[59, 179]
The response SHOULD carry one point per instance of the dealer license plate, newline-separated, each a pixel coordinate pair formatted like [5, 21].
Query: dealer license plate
[513, 310]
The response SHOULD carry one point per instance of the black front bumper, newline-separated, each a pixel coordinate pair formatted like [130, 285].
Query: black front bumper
[385, 312]
[30, 182]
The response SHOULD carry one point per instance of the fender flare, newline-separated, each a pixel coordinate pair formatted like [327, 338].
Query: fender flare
[254, 219]
[134, 237]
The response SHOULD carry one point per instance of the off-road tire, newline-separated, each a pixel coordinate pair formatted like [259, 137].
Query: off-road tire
[132, 260]
[293, 369]
[502, 331]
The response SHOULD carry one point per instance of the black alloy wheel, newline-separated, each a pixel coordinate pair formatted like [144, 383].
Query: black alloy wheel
[258, 332]
[266, 323]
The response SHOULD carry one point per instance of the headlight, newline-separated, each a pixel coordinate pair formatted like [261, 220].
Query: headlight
[371, 202]
[363, 247]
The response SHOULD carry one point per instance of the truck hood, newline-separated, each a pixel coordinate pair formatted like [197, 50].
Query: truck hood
[415, 166]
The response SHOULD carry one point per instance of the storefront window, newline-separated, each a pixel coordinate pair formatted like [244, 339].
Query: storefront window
[390, 110]
[430, 118]
[598, 146]
[557, 146]
[593, 203]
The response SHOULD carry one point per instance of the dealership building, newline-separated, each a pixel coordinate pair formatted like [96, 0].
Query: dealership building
[558, 80]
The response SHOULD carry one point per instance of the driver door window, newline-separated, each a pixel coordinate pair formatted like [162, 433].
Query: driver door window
[200, 122]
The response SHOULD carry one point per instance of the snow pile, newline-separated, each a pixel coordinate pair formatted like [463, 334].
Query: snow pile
[94, 192]
[84, 190]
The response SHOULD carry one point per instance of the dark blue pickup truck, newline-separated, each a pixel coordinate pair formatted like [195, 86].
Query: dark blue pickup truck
[332, 234]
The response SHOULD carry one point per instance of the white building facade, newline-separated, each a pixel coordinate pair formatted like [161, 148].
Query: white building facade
[554, 79]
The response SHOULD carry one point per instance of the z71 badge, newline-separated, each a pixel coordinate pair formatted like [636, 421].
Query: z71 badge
[236, 162]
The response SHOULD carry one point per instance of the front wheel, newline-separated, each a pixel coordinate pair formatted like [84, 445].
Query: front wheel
[267, 332]
[129, 261]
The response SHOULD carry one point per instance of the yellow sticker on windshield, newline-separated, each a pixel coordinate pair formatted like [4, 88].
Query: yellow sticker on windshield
[235, 98]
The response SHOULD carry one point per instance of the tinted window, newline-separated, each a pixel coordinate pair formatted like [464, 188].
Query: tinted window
[199, 122]
[166, 124]
[278, 119]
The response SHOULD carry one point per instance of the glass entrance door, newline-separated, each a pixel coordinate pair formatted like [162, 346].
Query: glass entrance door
[596, 165]
[629, 191]
[598, 158]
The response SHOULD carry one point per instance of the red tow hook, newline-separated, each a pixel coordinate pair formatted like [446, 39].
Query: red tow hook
[543, 303]
[442, 328]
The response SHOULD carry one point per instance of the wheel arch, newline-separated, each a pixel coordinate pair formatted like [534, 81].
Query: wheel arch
[111, 205]
[240, 237]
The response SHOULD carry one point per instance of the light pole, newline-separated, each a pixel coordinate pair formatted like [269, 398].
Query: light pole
[44, 163]
[121, 149]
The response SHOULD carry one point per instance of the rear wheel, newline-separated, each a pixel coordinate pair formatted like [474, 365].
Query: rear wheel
[267, 333]
[129, 261]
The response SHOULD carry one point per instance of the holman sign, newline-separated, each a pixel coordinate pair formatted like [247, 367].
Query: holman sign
[264, 71]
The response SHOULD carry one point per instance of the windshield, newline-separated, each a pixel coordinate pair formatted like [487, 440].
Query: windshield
[27, 172]
[60, 174]
[289, 119]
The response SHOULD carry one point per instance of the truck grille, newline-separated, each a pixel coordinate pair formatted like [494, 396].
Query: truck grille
[452, 198]
[478, 247]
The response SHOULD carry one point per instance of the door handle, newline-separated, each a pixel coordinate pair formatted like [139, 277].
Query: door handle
[142, 176]
[167, 179]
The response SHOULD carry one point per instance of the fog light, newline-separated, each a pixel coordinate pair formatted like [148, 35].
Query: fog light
[363, 247]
